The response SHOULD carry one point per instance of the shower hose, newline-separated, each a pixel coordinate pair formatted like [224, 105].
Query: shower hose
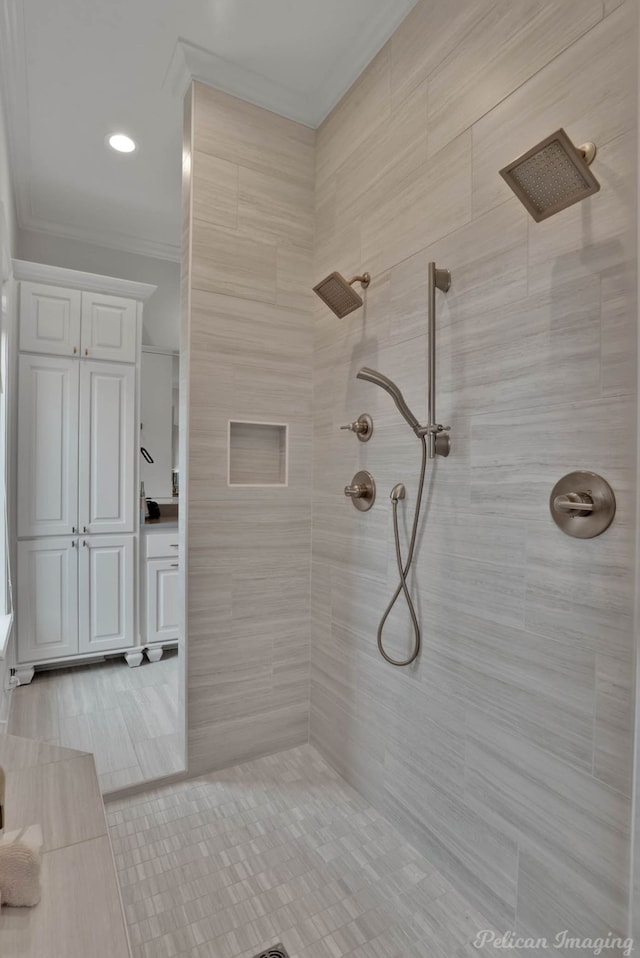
[404, 570]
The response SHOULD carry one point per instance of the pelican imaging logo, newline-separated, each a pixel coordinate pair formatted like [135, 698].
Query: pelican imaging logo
[610, 945]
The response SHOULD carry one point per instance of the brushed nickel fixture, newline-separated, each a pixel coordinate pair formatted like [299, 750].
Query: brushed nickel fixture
[337, 292]
[439, 441]
[362, 491]
[552, 175]
[362, 426]
[582, 504]
[438, 435]
[439, 444]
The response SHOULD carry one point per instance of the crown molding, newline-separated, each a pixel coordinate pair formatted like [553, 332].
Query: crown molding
[188, 62]
[117, 241]
[191, 62]
[340, 78]
[91, 282]
[14, 85]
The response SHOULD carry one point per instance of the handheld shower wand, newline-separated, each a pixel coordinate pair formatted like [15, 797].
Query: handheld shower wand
[397, 493]
[373, 376]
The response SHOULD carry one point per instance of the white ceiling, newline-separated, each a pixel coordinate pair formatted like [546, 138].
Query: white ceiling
[73, 71]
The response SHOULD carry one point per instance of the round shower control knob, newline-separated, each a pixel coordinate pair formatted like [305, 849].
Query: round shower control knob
[582, 504]
[361, 491]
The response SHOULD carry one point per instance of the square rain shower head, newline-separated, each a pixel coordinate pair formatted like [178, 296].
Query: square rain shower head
[552, 175]
[338, 294]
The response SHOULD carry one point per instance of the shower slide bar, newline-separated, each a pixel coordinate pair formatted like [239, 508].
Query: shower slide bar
[439, 443]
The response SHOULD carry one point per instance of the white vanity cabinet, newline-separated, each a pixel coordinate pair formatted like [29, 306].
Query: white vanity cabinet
[106, 579]
[78, 474]
[161, 582]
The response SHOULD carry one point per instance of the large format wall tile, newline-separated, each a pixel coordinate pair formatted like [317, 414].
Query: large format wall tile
[215, 184]
[416, 212]
[504, 752]
[524, 38]
[226, 261]
[250, 340]
[251, 137]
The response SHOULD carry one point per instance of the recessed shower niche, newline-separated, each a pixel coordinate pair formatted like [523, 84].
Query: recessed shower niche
[257, 453]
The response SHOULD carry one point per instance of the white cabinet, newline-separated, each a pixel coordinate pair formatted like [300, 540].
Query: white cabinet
[161, 586]
[67, 322]
[106, 484]
[76, 595]
[107, 582]
[162, 599]
[78, 477]
[47, 599]
[49, 319]
[76, 447]
[48, 446]
[109, 328]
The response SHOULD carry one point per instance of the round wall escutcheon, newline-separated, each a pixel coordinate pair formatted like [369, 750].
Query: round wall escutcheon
[582, 504]
[362, 491]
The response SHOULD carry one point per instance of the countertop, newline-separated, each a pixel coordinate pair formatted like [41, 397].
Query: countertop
[80, 912]
[160, 525]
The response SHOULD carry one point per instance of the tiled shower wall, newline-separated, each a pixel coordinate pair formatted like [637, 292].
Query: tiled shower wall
[248, 341]
[505, 752]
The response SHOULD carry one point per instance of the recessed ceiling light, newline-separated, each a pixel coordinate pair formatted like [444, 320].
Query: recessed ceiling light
[121, 142]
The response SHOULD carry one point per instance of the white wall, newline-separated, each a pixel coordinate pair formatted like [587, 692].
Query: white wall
[6, 185]
[161, 312]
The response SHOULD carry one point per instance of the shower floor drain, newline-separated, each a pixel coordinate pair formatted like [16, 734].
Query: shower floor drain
[276, 951]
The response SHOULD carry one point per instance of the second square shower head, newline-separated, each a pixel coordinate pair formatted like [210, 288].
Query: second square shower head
[553, 175]
[338, 294]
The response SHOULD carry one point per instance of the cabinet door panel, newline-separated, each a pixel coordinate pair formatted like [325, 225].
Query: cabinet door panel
[49, 319]
[48, 446]
[109, 327]
[162, 600]
[47, 599]
[106, 593]
[107, 447]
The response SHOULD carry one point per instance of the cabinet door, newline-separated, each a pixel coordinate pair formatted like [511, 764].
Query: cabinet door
[107, 584]
[49, 319]
[48, 446]
[47, 599]
[109, 326]
[162, 599]
[107, 447]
